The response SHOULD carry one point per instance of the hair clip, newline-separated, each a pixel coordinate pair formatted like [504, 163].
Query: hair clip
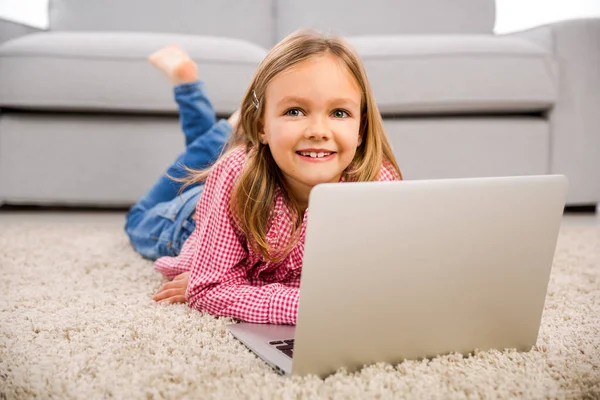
[255, 100]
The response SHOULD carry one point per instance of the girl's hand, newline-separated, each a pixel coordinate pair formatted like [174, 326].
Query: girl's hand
[174, 291]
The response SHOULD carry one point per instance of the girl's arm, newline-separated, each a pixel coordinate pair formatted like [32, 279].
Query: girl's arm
[216, 255]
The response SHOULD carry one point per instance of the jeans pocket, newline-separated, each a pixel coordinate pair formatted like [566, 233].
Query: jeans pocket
[168, 210]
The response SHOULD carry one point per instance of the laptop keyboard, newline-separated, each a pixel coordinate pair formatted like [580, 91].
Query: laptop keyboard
[285, 346]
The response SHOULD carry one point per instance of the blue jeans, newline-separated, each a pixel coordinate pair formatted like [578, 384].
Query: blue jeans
[160, 222]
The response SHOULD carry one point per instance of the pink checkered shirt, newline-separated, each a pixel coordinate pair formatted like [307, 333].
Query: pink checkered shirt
[229, 278]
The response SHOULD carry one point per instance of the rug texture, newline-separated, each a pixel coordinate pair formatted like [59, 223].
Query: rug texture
[77, 321]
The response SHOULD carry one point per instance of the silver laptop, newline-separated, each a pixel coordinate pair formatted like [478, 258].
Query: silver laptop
[415, 269]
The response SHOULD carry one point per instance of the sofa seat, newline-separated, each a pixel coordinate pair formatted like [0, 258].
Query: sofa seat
[109, 72]
[414, 74]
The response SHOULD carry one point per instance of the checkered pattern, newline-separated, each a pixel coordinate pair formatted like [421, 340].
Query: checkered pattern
[229, 278]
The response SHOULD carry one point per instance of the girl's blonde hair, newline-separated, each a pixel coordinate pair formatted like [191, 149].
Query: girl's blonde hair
[254, 192]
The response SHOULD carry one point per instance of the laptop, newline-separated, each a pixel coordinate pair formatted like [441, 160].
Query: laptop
[416, 269]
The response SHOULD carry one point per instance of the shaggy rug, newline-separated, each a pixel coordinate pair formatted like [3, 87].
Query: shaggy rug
[77, 321]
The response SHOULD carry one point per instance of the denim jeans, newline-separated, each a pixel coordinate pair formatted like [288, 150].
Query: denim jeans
[160, 222]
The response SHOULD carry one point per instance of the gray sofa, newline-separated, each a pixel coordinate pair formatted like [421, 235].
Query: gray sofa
[85, 120]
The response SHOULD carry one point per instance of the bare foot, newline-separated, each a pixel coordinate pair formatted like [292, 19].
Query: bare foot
[176, 64]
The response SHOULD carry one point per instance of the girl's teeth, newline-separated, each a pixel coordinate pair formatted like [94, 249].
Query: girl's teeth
[315, 154]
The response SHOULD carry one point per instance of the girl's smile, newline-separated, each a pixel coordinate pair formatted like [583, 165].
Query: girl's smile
[316, 155]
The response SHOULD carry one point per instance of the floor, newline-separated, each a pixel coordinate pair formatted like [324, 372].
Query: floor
[111, 217]
[75, 216]
[577, 219]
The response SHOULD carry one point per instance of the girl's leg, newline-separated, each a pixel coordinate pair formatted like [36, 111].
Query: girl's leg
[195, 109]
[161, 220]
[198, 155]
[204, 139]
[194, 112]
[162, 230]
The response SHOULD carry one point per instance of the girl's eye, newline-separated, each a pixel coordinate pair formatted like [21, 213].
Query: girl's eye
[294, 112]
[340, 114]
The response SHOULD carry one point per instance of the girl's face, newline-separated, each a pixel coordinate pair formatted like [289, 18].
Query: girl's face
[311, 122]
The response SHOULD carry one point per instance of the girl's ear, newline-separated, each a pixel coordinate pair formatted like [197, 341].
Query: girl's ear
[262, 136]
[359, 140]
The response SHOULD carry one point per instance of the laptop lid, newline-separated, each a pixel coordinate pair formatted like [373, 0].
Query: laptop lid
[404, 270]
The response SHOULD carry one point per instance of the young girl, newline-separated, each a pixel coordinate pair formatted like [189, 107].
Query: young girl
[308, 117]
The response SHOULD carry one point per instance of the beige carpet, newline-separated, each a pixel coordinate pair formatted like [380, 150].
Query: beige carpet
[77, 321]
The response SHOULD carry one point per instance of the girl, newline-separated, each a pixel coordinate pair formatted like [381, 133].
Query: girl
[308, 117]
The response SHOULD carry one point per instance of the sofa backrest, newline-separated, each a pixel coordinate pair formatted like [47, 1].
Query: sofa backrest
[265, 22]
[252, 20]
[380, 17]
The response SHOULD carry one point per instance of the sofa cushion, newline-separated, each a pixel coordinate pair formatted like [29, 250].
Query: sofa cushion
[385, 17]
[253, 20]
[414, 74]
[110, 72]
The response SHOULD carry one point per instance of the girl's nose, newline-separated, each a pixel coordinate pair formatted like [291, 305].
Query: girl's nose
[318, 129]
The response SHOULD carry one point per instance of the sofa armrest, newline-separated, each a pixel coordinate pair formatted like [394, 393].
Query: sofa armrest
[575, 119]
[11, 30]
